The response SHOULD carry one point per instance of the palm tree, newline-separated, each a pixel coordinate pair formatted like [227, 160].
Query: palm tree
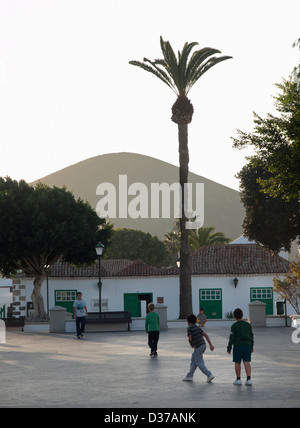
[180, 74]
[206, 236]
[172, 244]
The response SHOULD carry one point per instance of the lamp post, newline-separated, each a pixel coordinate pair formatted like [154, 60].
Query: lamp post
[99, 250]
[46, 268]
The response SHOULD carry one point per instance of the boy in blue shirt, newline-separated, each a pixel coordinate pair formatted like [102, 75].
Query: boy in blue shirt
[80, 314]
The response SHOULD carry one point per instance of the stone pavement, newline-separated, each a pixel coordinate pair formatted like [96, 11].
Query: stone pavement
[114, 370]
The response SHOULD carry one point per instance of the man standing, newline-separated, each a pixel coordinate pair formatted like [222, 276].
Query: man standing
[80, 314]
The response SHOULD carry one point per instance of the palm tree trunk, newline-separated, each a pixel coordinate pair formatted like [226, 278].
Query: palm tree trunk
[185, 283]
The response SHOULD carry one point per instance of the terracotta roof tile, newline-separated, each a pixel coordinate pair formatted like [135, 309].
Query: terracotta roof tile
[139, 268]
[237, 259]
[233, 259]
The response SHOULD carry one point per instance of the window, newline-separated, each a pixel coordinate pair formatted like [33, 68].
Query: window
[210, 295]
[66, 298]
[261, 293]
[95, 305]
[65, 295]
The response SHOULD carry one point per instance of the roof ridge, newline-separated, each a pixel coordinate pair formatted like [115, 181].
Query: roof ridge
[215, 259]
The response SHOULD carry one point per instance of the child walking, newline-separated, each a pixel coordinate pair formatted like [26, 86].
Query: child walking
[241, 338]
[195, 335]
[152, 326]
[201, 318]
[80, 314]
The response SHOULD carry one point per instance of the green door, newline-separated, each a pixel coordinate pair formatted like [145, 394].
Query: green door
[211, 302]
[265, 295]
[66, 298]
[132, 303]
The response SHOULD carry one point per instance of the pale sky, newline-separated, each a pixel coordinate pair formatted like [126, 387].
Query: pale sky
[67, 92]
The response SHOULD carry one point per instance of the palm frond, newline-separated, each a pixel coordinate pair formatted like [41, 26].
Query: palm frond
[198, 58]
[203, 68]
[181, 73]
[206, 236]
[165, 75]
[157, 72]
[171, 63]
[183, 57]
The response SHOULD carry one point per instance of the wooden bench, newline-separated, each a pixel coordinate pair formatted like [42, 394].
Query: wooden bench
[122, 317]
[14, 322]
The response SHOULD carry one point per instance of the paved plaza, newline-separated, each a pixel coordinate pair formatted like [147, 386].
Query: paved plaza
[114, 370]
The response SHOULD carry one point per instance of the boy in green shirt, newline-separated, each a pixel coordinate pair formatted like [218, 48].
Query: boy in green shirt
[241, 338]
[152, 327]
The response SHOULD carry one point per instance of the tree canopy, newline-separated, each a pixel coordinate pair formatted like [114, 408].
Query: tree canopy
[272, 221]
[206, 236]
[276, 140]
[40, 224]
[270, 183]
[289, 287]
[182, 72]
[134, 244]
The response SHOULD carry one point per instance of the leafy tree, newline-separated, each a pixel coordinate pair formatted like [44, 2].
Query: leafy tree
[134, 244]
[272, 221]
[276, 141]
[172, 244]
[206, 236]
[270, 183]
[172, 241]
[38, 225]
[289, 288]
[180, 74]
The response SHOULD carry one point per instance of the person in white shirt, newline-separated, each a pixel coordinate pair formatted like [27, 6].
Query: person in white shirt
[80, 314]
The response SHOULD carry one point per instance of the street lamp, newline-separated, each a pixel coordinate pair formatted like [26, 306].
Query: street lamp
[99, 250]
[46, 268]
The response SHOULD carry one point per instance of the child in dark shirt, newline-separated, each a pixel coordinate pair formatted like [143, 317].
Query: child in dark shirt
[241, 338]
[195, 335]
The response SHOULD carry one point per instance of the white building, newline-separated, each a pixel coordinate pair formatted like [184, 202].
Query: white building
[5, 296]
[223, 277]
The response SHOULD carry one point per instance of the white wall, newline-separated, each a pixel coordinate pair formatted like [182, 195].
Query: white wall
[232, 297]
[5, 293]
[166, 287]
[113, 290]
[5, 296]
[5, 282]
